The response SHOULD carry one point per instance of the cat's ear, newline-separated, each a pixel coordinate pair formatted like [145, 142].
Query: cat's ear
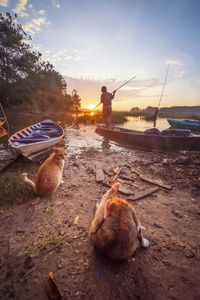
[55, 148]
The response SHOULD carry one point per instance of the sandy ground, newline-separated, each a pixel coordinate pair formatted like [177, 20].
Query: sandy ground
[51, 235]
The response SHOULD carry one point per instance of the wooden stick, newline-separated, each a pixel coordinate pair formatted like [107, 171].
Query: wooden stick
[126, 178]
[141, 195]
[155, 182]
[121, 189]
[115, 177]
[147, 179]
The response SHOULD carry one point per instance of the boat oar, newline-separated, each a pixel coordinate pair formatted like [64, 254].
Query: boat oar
[118, 88]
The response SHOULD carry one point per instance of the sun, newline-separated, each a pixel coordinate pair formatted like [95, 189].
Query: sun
[91, 106]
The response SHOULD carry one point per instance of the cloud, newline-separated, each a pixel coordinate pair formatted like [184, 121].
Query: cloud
[55, 3]
[174, 62]
[179, 75]
[20, 8]
[90, 90]
[35, 25]
[68, 57]
[41, 12]
[4, 3]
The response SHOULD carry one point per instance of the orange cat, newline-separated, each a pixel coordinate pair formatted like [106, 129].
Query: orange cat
[49, 175]
[115, 230]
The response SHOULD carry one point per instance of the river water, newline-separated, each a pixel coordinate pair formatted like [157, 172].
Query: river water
[85, 137]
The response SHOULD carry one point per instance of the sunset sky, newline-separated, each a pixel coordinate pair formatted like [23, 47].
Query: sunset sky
[106, 42]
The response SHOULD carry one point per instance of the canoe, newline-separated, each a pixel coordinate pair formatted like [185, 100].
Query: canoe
[3, 131]
[2, 122]
[186, 124]
[153, 139]
[36, 141]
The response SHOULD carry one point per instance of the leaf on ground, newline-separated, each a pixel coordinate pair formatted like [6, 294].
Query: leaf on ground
[76, 220]
[52, 289]
[28, 263]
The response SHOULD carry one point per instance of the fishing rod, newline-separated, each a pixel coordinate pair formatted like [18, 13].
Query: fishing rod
[157, 108]
[163, 86]
[118, 89]
[124, 84]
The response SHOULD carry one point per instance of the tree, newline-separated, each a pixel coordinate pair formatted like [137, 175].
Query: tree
[24, 78]
[76, 100]
[16, 58]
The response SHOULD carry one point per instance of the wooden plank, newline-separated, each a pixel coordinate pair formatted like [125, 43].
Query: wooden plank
[99, 172]
[126, 178]
[140, 195]
[122, 189]
[155, 182]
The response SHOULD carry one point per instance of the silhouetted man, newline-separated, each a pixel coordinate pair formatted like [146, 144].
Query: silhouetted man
[106, 99]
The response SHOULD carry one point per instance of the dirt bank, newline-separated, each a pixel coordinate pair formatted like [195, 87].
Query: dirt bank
[52, 232]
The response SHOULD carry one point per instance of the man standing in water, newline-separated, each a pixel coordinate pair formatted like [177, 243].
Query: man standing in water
[106, 99]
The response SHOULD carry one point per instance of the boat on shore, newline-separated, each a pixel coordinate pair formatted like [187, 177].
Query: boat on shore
[36, 141]
[153, 139]
[3, 131]
[185, 124]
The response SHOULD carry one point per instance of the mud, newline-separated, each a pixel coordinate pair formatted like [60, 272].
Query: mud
[53, 231]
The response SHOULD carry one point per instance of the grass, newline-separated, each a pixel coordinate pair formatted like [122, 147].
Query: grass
[50, 240]
[49, 210]
[13, 190]
[149, 115]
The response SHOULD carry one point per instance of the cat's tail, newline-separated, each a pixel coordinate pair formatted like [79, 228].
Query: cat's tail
[27, 180]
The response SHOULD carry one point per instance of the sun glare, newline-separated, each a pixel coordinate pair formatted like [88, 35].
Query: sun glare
[91, 106]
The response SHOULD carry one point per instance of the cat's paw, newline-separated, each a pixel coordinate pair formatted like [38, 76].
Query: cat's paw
[145, 243]
[62, 181]
[24, 175]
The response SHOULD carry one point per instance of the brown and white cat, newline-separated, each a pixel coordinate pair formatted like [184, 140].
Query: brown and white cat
[49, 175]
[115, 230]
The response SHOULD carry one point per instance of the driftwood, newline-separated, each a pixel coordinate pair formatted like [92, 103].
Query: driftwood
[115, 177]
[140, 195]
[99, 172]
[109, 173]
[122, 189]
[147, 179]
[127, 178]
[155, 182]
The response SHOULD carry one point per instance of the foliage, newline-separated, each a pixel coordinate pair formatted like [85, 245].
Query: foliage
[25, 79]
[13, 190]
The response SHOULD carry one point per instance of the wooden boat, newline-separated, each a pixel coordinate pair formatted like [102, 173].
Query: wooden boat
[3, 131]
[36, 141]
[153, 139]
[186, 124]
[2, 121]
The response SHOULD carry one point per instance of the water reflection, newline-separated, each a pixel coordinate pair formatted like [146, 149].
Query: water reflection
[84, 135]
[139, 123]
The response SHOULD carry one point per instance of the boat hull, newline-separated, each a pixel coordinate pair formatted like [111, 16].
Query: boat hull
[185, 124]
[150, 142]
[36, 141]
